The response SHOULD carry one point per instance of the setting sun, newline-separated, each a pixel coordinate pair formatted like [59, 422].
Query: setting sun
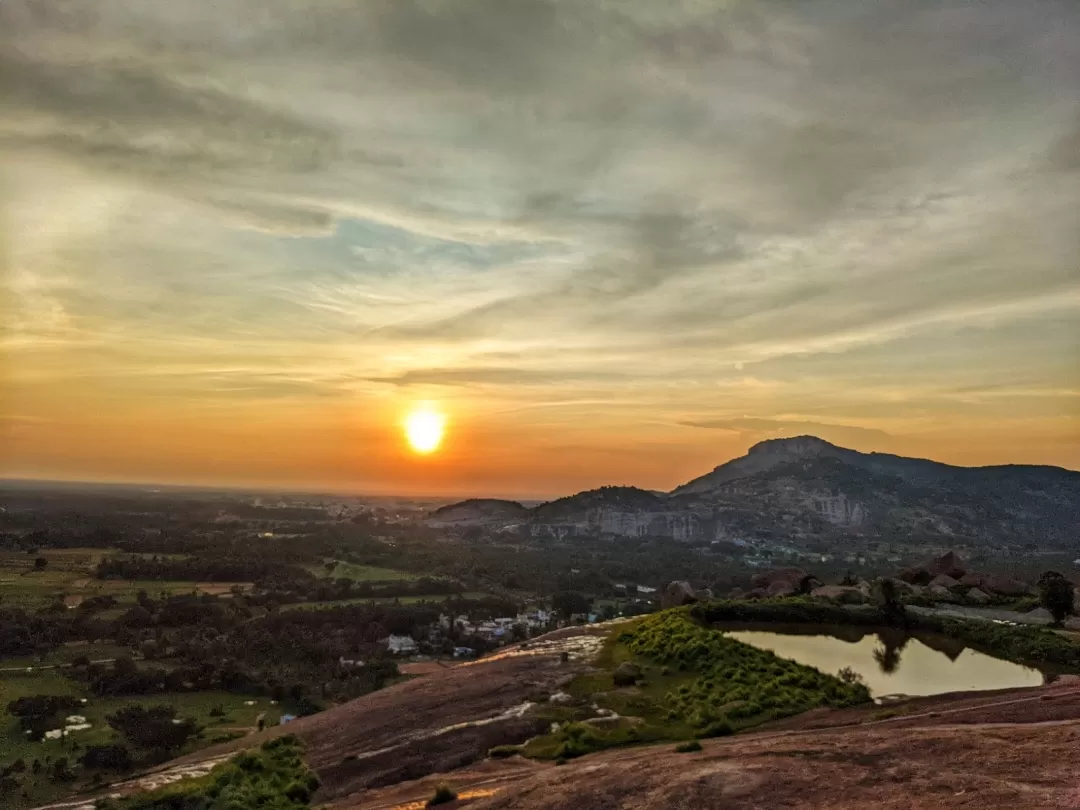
[424, 429]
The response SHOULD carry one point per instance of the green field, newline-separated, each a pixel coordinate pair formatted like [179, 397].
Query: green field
[382, 600]
[239, 718]
[360, 573]
[66, 653]
[69, 575]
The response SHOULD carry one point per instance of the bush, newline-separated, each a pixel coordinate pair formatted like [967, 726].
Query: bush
[719, 728]
[271, 777]
[153, 728]
[626, 674]
[749, 681]
[850, 676]
[688, 747]
[1056, 595]
[107, 757]
[444, 794]
[39, 713]
[504, 751]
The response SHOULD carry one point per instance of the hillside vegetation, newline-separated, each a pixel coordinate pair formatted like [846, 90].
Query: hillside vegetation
[669, 677]
[271, 777]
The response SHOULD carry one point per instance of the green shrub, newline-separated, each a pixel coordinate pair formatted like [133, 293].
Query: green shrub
[271, 777]
[718, 728]
[504, 751]
[444, 794]
[749, 681]
[688, 747]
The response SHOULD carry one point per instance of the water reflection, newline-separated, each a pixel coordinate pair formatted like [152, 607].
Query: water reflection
[890, 661]
[892, 643]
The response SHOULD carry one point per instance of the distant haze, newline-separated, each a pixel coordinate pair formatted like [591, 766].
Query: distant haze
[613, 242]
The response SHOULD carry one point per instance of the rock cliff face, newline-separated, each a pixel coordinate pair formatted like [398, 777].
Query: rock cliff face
[822, 488]
[809, 487]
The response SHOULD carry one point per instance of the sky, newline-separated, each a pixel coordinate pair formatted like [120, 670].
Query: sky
[611, 242]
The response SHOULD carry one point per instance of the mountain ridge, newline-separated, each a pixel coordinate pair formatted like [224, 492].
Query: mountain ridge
[807, 487]
[807, 446]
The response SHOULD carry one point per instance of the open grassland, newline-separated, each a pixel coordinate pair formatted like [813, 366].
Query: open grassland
[384, 600]
[222, 715]
[339, 569]
[65, 654]
[68, 575]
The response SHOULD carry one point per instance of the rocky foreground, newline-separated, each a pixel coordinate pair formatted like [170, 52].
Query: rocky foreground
[934, 764]
[389, 750]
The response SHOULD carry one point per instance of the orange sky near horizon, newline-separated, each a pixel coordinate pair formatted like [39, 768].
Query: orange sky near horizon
[360, 448]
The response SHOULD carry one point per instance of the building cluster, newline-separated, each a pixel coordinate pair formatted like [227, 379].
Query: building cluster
[499, 628]
[497, 631]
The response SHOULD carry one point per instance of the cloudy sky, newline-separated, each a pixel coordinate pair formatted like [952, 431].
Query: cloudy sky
[614, 241]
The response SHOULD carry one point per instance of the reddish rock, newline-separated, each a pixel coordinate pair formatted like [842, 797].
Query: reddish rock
[972, 580]
[943, 581]
[1006, 586]
[781, 588]
[941, 594]
[677, 593]
[948, 564]
[795, 579]
[917, 575]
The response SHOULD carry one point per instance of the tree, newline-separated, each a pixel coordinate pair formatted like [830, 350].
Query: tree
[889, 598]
[61, 772]
[39, 713]
[567, 603]
[888, 655]
[153, 729]
[40, 563]
[1056, 594]
[107, 757]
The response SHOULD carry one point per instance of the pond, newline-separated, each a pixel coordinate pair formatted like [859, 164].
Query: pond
[890, 661]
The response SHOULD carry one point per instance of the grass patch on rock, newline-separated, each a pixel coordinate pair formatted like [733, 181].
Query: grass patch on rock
[694, 681]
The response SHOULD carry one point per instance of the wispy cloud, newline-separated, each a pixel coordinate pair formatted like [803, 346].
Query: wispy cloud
[534, 204]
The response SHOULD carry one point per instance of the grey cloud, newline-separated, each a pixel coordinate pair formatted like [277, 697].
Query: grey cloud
[671, 146]
[771, 112]
[1064, 154]
[134, 120]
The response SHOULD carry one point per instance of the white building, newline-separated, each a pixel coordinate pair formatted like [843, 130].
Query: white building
[402, 645]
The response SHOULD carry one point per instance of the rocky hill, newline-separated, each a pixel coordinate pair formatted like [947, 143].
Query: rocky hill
[807, 487]
[571, 508]
[817, 485]
[478, 511]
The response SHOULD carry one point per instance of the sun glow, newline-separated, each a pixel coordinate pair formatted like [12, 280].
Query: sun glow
[424, 428]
